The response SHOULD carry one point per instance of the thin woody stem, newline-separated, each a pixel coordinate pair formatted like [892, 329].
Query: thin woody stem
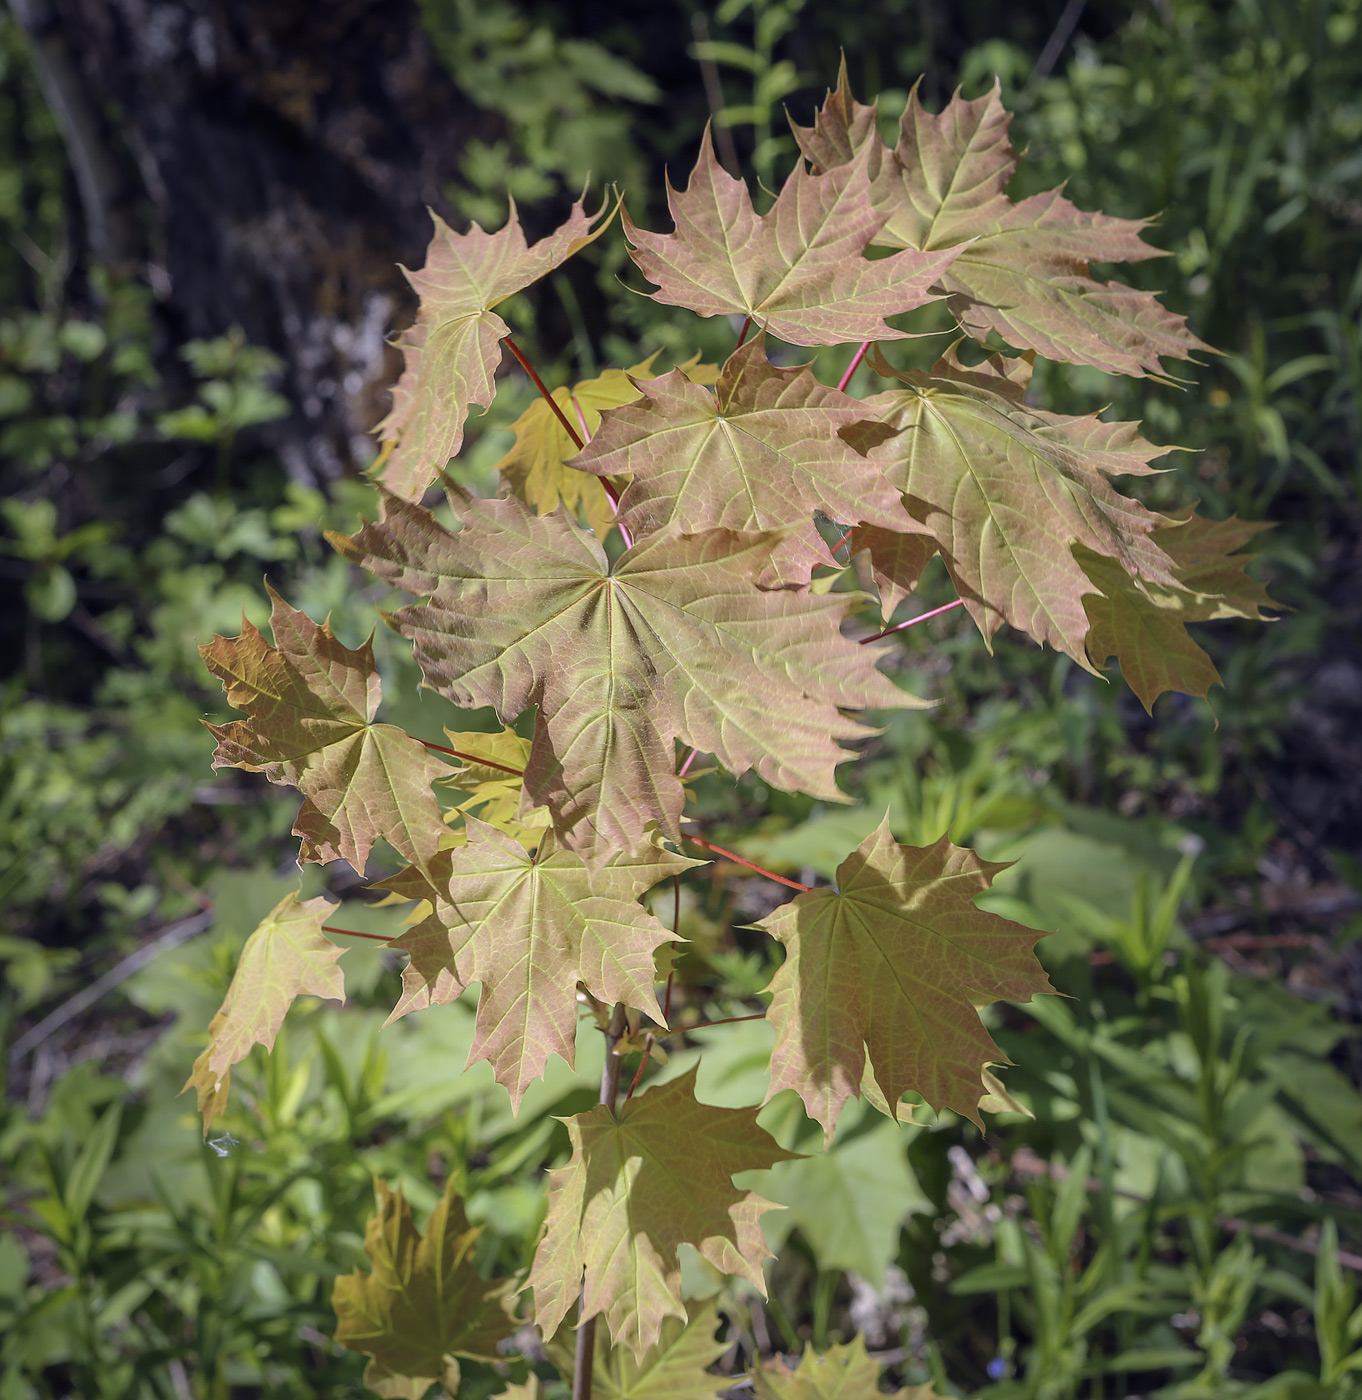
[539, 384]
[854, 365]
[722, 1021]
[355, 933]
[742, 334]
[846, 539]
[685, 767]
[913, 621]
[474, 758]
[734, 856]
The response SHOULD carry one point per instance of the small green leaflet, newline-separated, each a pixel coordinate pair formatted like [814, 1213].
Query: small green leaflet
[287, 956]
[885, 970]
[530, 929]
[843, 1372]
[637, 1188]
[423, 1303]
[311, 703]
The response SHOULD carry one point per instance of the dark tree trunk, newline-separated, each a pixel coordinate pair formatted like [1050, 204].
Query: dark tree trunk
[266, 163]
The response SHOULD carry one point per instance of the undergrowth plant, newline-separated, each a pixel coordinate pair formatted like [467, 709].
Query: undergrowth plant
[690, 571]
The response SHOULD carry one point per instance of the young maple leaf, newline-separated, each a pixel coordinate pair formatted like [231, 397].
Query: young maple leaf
[1022, 268]
[491, 773]
[530, 929]
[638, 1186]
[1007, 491]
[896, 559]
[535, 464]
[798, 271]
[423, 1303]
[311, 703]
[761, 453]
[452, 351]
[671, 641]
[1144, 624]
[886, 968]
[845, 1372]
[287, 956]
[674, 1369]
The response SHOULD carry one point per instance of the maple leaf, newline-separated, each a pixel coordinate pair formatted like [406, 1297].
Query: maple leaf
[422, 1303]
[761, 453]
[1022, 268]
[886, 968]
[896, 559]
[671, 641]
[454, 347]
[534, 466]
[674, 1369]
[491, 771]
[530, 930]
[311, 703]
[1205, 563]
[287, 956]
[1007, 491]
[636, 1188]
[844, 1372]
[797, 270]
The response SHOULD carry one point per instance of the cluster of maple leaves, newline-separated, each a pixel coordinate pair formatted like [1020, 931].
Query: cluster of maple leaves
[710, 624]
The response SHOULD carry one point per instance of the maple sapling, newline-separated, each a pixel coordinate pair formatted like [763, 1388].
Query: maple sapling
[721, 624]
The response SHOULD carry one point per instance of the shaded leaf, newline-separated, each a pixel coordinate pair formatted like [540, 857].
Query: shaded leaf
[672, 1370]
[761, 453]
[422, 1303]
[672, 641]
[1022, 268]
[886, 970]
[798, 270]
[530, 930]
[287, 956]
[843, 1372]
[637, 1188]
[1007, 491]
[495, 787]
[896, 559]
[453, 349]
[311, 703]
[1205, 562]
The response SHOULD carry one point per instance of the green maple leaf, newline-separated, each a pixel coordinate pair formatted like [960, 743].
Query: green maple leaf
[311, 703]
[843, 1372]
[895, 559]
[884, 972]
[535, 464]
[798, 270]
[761, 453]
[422, 1303]
[490, 772]
[287, 956]
[637, 1188]
[1144, 624]
[674, 1369]
[454, 347]
[530, 929]
[1007, 491]
[672, 641]
[1022, 268]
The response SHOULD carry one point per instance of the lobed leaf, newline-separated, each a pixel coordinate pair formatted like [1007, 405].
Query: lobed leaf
[637, 1187]
[674, 640]
[422, 1303]
[1022, 268]
[884, 971]
[843, 1372]
[1007, 491]
[761, 453]
[530, 929]
[287, 956]
[895, 559]
[311, 702]
[454, 347]
[799, 270]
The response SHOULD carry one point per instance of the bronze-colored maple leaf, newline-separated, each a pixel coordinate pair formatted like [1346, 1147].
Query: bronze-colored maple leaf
[761, 453]
[453, 349]
[885, 970]
[798, 270]
[1007, 491]
[638, 1186]
[530, 929]
[895, 559]
[287, 956]
[422, 1303]
[843, 1372]
[311, 702]
[1022, 268]
[672, 641]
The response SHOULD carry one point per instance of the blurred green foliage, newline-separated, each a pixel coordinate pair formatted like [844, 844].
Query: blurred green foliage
[1192, 1121]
